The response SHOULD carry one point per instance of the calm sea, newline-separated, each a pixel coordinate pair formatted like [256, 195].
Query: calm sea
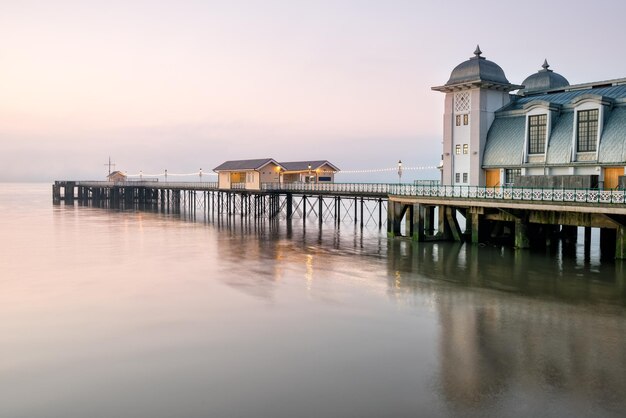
[107, 313]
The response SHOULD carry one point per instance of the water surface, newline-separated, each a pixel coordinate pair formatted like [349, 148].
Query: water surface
[110, 313]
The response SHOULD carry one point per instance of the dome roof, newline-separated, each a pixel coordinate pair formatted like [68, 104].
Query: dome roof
[477, 68]
[544, 79]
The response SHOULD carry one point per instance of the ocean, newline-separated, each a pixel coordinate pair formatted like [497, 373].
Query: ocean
[139, 313]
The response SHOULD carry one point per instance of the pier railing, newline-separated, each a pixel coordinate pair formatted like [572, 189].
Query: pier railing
[596, 196]
[194, 185]
[514, 193]
[460, 192]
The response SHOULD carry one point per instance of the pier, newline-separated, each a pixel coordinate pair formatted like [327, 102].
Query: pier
[519, 216]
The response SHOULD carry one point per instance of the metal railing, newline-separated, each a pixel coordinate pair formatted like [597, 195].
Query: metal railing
[512, 193]
[197, 185]
[461, 192]
[382, 189]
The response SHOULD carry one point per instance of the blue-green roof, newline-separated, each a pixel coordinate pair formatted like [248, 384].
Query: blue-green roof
[560, 143]
[613, 140]
[613, 92]
[505, 142]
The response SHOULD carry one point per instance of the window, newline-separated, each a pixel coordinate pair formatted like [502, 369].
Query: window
[457, 150]
[510, 174]
[464, 177]
[537, 134]
[587, 130]
[465, 149]
[462, 102]
[457, 178]
[465, 119]
[458, 120]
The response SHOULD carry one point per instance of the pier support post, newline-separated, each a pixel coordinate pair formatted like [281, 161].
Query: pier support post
[395, 213]
[320, 209]
[475, 227]
[418, 220]
[620, 243]
[587, 248]
[56, 192]
[521, 234]
[453, 224]
[289, 198]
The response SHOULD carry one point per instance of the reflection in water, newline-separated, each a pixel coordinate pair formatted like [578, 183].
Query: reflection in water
[492, 343]
[160, 314]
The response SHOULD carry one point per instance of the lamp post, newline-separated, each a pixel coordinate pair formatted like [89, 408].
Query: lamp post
[201, 174]
[399, 171]
[309, 178]
[166, 175]
[140, 174]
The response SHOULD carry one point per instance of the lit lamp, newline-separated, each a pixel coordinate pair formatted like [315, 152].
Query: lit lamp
[200, 174]
[309, 173]
[399, 171]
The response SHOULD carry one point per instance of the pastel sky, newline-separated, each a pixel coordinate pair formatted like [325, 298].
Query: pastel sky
[187, 84]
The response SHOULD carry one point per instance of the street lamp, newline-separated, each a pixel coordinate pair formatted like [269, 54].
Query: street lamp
[140, 174]
[201, 174]
[399, 171]
[166, 174]
[309, 178]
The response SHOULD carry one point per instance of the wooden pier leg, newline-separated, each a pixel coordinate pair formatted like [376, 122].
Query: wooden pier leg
[453, 224]
[390, 229]
[569, 234]
[355, 210]
[587, 249]
[620, 243]
[429, 220]
[56, 193]
[395, 213]
[417, 222]
[608, 243]
[521, 234]
[475, 226]
[380, 213]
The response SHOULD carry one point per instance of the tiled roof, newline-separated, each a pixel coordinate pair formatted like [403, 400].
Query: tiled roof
[243, 164]
[304, 165]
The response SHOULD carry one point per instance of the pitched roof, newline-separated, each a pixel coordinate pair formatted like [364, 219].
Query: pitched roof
[245, 164]
[113, 173]
[615, 92]
[304, 165]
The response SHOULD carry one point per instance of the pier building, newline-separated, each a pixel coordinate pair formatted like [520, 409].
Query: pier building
[321, 171]
[117, 176]
[247, 174]
[547, 133]
[251, 174]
